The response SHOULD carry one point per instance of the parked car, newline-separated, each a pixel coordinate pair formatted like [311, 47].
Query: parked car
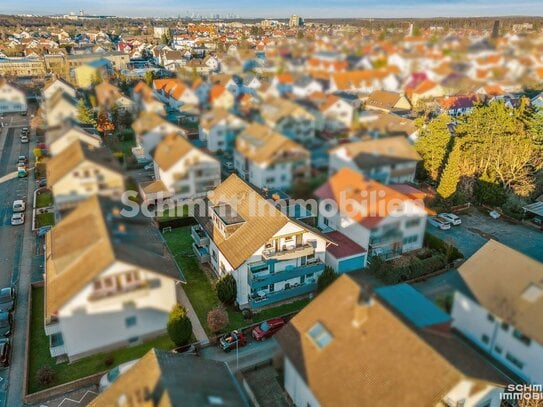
[189, 349]
[451, 218]
[18, 219]
[22, 160]
[494, 214]
[24, 139]
[267, 328]
[42, 182]
[5, 352]
[19, 206]
[232, 340]
[43, 230]
[439, 223]
[21, 171]
[6, 323]
[7, 299]
[108, 379]
[149, 166]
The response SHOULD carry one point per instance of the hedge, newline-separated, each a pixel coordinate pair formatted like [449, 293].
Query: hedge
[435, 243]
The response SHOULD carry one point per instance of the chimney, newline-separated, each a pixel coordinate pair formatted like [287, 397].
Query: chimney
[362, 308]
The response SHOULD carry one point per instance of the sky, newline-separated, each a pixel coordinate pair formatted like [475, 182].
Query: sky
[280, 8]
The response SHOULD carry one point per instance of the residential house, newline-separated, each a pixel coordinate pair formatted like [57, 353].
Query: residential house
[174, 92]
[348, 348]
[82, 170]
[387, 102]
[110, 280]
[427, 89]
[337, 114]
[150, 129]
[289, 118]
[218, 128]
[387, 221]
[457, 105]
[12, 100]
[272, 257]
[108, 96]
[500, 308]
[145, 100]
[387, 160]
[270, 160]
[220, 97]
[173, 379]
[57, 139]
[377, 124]
[92, 72]
[184, 170]
[57, 84]
[60, 108]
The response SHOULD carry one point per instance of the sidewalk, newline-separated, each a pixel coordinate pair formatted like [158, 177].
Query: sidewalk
[197, 327]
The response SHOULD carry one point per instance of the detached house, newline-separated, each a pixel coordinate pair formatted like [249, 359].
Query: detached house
[500, 309]
[11, 99]
[220, 97]
[387, 221]
[184, 170]
[174, 92]
[60, 108]
[272, 257]
[145, 99]
[268, 159]
[289, 118]
[82, 170]
[387, 160]
[57, 84]
[219, 128]
[337, 113]
[387, 102]
[108, 95]
[59, 138]
[349, 348]
[110, 281]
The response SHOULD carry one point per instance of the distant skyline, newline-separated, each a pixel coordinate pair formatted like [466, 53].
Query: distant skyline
[281, 8]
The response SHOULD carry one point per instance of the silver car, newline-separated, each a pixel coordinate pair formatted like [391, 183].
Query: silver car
[439, 223]
[451, 218]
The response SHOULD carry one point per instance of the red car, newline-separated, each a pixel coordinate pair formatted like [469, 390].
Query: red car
[268, 328]
[232, 340]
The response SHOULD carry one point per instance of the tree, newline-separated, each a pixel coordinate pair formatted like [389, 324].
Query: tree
[451, 175]
[104, 125]
[327, 277]
[85, 114]
[433, 144]
[149, 77]
[217, 319]
[45, 375]
[179, 326]
[488, 192]
[226, 289]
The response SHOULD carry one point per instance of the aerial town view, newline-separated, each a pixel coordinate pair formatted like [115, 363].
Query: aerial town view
[332, 203]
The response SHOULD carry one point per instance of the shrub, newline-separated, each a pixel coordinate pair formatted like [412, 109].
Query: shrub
[327, 277]
[433, 264]
[435, 243]
[247, 313]
[45, 375]
[109, 360]
[226, 289]
[179, 326]
[488, 193]
[217, 319]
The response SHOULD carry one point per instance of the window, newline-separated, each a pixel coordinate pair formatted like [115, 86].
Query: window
[412, 223]
[130, 321]
[410, 239]
[490, 317]
[514, 360]
[485, 338]
[498, 349]
[521, 337]
[97, 285]
[505, 326]
[320, 336]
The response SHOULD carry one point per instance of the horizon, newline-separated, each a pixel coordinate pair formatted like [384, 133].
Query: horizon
[328, 9]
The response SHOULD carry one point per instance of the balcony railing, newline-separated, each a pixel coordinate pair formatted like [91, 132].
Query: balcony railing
[289, 253]
[117, 291]
[202, 253]
[264, 278]
[199, 237]
[294, 291]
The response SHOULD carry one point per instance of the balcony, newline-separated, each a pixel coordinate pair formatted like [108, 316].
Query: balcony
[294, 291]
[119, 294]
[56, 345]
[199, 237]
[202, 253]
[263, 277]
[289, 253]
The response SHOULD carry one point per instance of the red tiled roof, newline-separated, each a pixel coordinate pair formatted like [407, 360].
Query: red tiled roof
[345, 247]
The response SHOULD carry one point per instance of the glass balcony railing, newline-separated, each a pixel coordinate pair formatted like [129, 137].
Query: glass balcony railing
[263, 277]
[258, 301]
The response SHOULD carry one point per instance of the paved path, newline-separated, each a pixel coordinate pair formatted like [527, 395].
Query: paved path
[197, 327]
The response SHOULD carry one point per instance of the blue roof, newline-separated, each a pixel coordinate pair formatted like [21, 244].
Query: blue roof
[412, 305]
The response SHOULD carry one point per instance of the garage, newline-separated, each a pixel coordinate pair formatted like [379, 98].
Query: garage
[346, 255]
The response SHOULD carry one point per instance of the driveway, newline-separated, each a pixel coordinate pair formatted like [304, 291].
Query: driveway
[477, 228]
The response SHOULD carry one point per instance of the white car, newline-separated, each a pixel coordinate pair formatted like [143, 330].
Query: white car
[19, 206]
[108, 379]
[439, 223]
[17, 219]
[24, 139]
[494, 214]
[451, 218]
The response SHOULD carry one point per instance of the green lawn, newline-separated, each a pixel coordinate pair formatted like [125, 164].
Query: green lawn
[65, 372]
[44, 199]
[45, 219]
[201, 292]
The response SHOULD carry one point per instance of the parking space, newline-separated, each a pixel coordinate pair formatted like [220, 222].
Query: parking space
[477, 228]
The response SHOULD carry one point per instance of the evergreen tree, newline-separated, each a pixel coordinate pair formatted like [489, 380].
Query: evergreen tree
[226, 289]
[451, 175]
[179, 326]
[433, 145]
[85, 114]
